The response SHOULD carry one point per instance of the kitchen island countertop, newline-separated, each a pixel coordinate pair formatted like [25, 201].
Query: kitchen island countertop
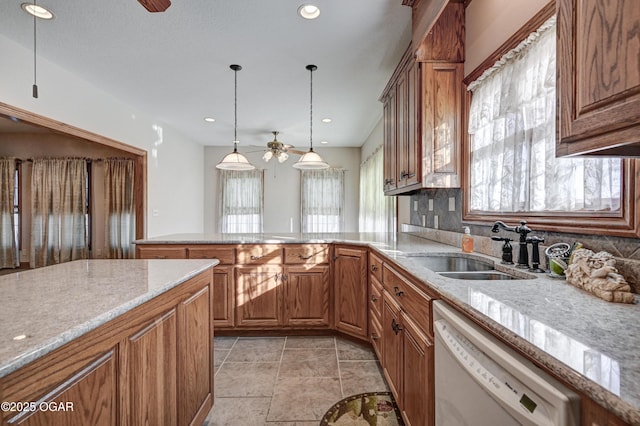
[591, 344]
[45, 308]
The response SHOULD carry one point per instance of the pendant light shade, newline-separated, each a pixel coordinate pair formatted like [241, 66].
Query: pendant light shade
[311, 160]
[235, 160]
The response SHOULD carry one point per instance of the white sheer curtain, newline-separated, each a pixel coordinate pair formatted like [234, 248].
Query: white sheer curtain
[8, 247]
[322, 200]
[377, 212]
[512, 128]
[242, 205]
[58, 205]
[119, 200]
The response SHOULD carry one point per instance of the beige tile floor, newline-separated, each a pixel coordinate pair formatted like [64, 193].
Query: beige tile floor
[277, 381]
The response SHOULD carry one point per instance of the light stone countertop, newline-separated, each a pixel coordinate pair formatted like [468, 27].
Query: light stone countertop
[592, 344]
[53, 305]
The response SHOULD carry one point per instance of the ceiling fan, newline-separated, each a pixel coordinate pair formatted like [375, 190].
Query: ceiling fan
[279, 150]
[155, 5]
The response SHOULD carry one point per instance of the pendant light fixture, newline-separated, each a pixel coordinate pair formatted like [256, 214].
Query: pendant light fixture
[311, 160]
[235, 160]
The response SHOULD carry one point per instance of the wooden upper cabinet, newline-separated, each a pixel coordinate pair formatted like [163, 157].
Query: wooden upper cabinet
[441, 124]
[389, 164]
[599, 77]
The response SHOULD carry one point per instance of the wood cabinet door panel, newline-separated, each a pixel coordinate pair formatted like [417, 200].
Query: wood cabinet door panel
[375, 266]
[375, 298]
[402, 126]
[392, 346]
[418, 381]
[375, 333]
[350, 288]
[390, 128]
[258, 296]
[307, 296]
[413, 126]
[599, 82]
[223, 296]
[93, 392]
[150, 370]
[195, 371]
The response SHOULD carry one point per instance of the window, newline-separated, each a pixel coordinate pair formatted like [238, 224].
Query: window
[512, 141]
[322, 199]
[242, 201]
[377, 212]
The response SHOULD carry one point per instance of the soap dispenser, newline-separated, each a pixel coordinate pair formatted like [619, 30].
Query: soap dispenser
[467, 241]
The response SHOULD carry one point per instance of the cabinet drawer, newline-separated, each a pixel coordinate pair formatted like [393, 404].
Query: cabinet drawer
[313, 254]
[375, 298]
[162, 253]
[375, 335]
[225, 255]
[413, 301]
[375, 266]
[263, 254]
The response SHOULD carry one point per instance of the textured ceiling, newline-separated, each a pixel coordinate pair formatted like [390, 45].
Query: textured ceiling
[174, 66]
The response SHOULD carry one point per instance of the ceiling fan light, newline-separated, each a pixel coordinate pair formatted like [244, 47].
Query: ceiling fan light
[311, 161]
[267, 156]
[235, 161]
[283, 157]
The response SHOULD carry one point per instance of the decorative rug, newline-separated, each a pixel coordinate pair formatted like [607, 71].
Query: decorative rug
[364, 409]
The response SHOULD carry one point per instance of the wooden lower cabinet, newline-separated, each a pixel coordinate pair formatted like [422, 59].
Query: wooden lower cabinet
[259, 296]
[307, 292]
[392, 346]
[153, 365]
[350, 288]
[418, 406]
[224, 297]
[93, 392]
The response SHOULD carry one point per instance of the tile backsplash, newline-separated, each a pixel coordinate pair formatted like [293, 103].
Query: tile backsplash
[435, 219]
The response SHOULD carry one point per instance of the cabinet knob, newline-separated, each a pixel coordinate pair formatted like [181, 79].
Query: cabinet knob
[255, 257]
[398, 291]
[374, 299]
[403, 175]
[305, 257]
[374, 336]
[374, 268]
[397, 328]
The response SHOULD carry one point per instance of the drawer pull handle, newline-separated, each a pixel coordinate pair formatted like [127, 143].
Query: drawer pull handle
[255, 257]
[305, 257]
[161, 256]
[395, 326]
[374, 299]
[398, 291]
[374, 268]
[374, 336]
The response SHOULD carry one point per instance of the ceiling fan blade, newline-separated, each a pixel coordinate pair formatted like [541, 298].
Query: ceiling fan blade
[155, 5]
[295, 151]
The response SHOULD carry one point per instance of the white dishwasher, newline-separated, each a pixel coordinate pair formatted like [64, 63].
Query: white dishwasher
[480, 381]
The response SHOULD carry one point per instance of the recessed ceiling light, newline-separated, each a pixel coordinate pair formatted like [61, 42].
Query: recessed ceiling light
[37, 11]
[326, 120]
[209, 119]
[324, 142]
[309, 11]
[20, 337]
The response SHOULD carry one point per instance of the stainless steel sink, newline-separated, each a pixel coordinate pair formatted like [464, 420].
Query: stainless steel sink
[452, 263]
[479, 275]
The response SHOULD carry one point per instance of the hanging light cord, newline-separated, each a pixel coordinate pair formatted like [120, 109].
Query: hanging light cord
[35, 84]
[311, 108]
[235, 111]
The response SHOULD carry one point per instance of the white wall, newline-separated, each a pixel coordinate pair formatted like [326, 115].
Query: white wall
[282, 187]
[175, 165]
[489, 23]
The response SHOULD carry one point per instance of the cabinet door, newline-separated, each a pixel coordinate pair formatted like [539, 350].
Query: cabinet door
[150, 373]
[195, 352]
[392, 346]
[599, 77]
[375, 331]
[413, 123]
[307, 292]
[417, 376]
[155, 252]
[441, 124]
[350, 288]
[93, 391]
[402, 127]
[223, 296]
[258, 296]
[389, 164]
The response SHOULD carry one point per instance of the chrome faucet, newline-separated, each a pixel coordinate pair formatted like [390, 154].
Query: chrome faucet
[523, 230]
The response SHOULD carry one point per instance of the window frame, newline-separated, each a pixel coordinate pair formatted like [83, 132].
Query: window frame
[624, 223]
